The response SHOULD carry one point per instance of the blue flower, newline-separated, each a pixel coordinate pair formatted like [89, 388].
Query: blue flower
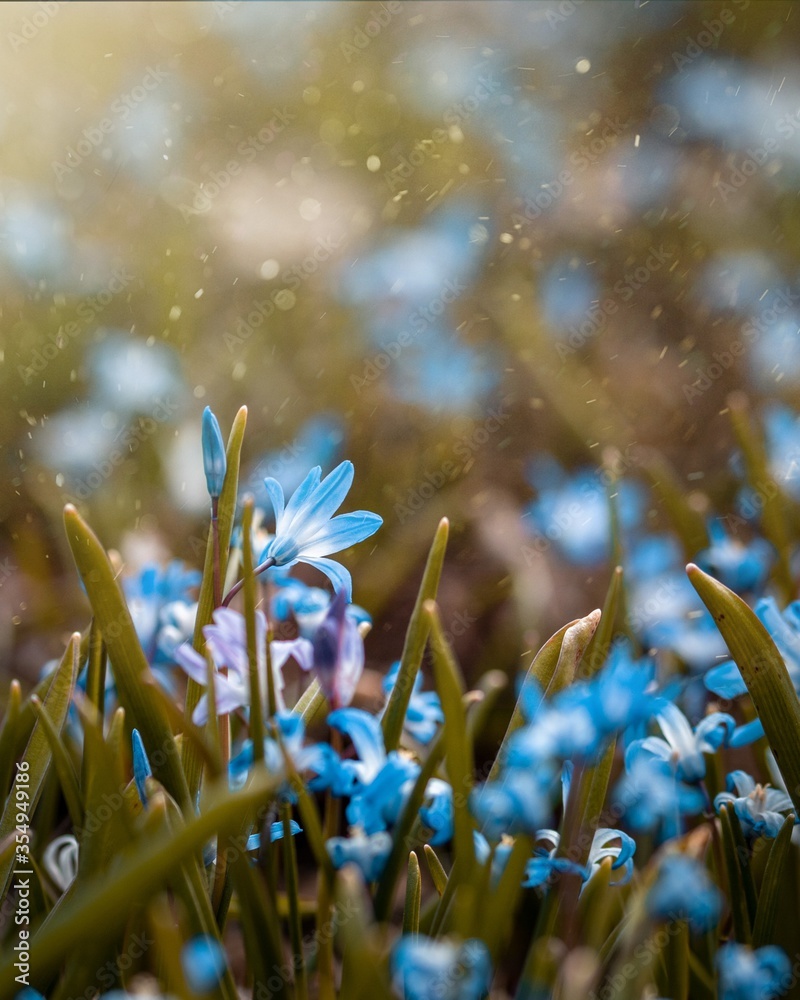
[424, 714]
[745, 974]
[740, 567]
[141, 766]
[606, 843]
[204, 963]
[380, 783]
[150, 597]
[517, 803]
[214, 458]
[307, 605]
[276, 832]
[423, 969]
[368, 853]
[684, 891]
[682, 746]
[338, 653]
[651, 795]
[305, 529]
[759, 808]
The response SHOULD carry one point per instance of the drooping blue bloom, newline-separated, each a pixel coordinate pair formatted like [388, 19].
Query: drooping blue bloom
[759, 808]
[519, 802]
[652, 797]
[684, 891]
[368, 853]
[740, 567]
[380, 783]
[226, 639]
[305, 529]
[214, 458]
[606, 843]
[436, 811]
[744, 974]
[683, 747]
[338, 653]
[276, 832]
[203, 961]
[424, 714]
[424, 969]
[141, 766]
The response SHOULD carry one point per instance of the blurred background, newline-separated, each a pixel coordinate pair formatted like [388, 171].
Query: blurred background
[508, 257]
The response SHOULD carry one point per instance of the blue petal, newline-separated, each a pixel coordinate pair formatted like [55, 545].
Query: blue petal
[335, 572]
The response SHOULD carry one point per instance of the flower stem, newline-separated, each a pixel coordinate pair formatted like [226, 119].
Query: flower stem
[240, 583]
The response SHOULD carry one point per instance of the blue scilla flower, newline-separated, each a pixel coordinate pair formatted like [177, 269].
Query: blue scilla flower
[519, 802]
[369, 853]
[380, 783]
[606, 843]
[214, 458]
[226, 639]
[502, 852]
[305, 529]
[573, 511]
[651, 796]
[545, 865]
[684, 891]
[423, 969]
[759, 808]
[424, 714]
[308, 606]
[318, 759]
[782, 427]
[745, 974]
[436, 811]
[203, 962]
[740, 567]
[683, 747]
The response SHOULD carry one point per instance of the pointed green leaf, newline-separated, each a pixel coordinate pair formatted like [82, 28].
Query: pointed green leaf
[416, 638]
[736, 894]
[413, 896]
[575, 643]
[459, 758]
[8, 735]
[436, 868]
[63, 765]
[597, 653]
[763, 671]
[541, 670]
[128, 662]
[773, 886]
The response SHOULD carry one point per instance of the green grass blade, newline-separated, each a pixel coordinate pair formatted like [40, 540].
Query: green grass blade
[458, 753]
[436, 869]
[541, 670]
[736, 894]
[416, 638]
[128, 662]
[773, 885]
[597, 653]
[413, 896]
[8, 735]
[763, 671]
[63, 765]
